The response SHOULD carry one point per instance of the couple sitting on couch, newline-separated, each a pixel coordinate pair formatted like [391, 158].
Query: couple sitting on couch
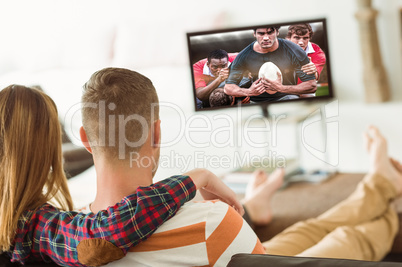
[129, 209]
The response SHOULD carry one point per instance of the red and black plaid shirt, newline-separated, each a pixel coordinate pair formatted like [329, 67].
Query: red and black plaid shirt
[49, 233]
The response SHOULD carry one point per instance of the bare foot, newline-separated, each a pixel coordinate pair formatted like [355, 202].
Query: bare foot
[379, 160]
[396, 164]
[259, 193]
[259, 177]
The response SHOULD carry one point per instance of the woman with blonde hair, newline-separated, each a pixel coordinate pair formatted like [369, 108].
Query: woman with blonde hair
[32, 177]
[31, 172]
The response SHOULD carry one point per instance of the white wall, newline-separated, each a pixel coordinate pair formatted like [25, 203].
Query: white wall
[47, 22]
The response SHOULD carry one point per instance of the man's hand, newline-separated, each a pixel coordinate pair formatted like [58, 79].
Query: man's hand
[273, 86]
[309, 68]
[211, 187]
[223, 74]
[203, 93]
[256, 88]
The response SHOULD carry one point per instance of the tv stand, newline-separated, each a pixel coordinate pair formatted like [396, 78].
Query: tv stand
[265, 111]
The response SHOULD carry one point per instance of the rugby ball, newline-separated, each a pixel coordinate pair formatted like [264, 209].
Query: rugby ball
[270, 71]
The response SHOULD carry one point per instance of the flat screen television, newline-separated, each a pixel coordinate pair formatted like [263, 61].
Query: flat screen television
[219, 74]
[262, 65]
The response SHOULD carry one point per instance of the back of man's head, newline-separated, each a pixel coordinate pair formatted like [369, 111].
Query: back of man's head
[119, 107]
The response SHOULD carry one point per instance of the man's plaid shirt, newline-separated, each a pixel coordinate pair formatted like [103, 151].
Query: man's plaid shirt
[49, 233]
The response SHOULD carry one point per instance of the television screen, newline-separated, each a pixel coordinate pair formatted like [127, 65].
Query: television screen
[260, 64]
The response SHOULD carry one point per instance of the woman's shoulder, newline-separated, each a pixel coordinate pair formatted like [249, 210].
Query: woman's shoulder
[32, 216]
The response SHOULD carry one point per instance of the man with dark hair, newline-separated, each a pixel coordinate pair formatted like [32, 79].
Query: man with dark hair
[303, 30]
[210, 73]
[301, 35]
[273, 27]
[287, 56]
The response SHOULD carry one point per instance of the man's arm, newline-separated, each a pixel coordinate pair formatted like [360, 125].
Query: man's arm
[256, 88]
[318, 58]
[310, 68]
[307, 87]
[317, 62]
[211, 187]
[203, 93]
[79, 239]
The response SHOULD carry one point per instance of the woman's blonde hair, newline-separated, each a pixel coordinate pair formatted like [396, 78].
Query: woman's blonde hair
[31, 167]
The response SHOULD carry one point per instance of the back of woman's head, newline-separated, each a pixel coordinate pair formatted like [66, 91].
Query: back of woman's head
[31, 170]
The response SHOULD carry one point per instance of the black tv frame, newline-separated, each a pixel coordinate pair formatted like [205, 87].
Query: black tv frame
[194, 57]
